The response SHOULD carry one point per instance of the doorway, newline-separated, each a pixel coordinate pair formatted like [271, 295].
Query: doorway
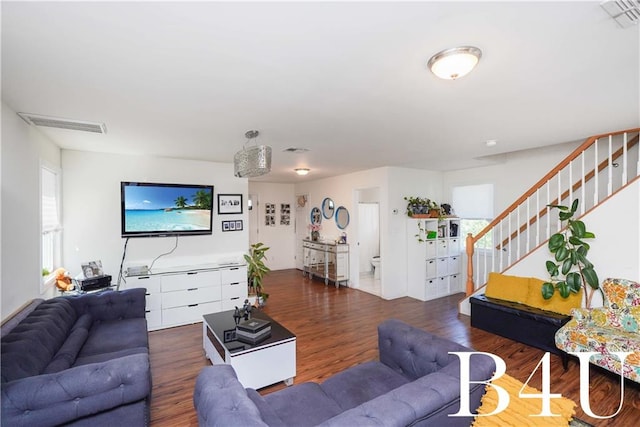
[369, 259]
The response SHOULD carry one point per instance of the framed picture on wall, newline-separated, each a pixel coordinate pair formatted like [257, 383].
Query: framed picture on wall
[225, 225]
[229, 204]
[239, 225]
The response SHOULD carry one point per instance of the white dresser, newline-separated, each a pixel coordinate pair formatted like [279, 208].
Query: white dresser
[182, 295]
[327, 260]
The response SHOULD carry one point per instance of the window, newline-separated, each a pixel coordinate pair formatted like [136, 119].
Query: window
[50, 223]
[474, 205]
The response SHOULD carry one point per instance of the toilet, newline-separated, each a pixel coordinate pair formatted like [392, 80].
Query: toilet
[375, 262]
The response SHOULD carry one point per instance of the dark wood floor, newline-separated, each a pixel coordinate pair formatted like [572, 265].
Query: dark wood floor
[336, 328]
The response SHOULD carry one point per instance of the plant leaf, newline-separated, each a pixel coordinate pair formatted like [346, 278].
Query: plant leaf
[561, 207]
[588, 235]
[566, 266]
[562, 253]
[552, 268]
[578, 228]
[574, 281]
[556, 241]
[565, 215]
[574, 206]
[547, 290]
[563, 289]
[591, 277]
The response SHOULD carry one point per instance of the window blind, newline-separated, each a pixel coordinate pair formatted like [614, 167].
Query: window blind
[473, 201]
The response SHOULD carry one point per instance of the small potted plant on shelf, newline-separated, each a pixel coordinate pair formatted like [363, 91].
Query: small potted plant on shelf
[419, 207]
[256, 270]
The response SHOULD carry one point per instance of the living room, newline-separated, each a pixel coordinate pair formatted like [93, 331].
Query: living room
[91, 172]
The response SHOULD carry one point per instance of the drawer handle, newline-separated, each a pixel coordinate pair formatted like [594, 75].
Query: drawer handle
[234, 283]
[234, 268]
[192, 272]
[144, 277]
[147, 311]
[192, 305]
[148, 294]
[192, 289]
[235, 298]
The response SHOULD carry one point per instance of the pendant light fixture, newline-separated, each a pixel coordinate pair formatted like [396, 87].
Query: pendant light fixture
[454, 63]
[253, 161]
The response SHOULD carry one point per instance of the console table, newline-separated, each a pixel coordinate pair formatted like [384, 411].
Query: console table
[327, 260]
[256, 365]
[182, 295]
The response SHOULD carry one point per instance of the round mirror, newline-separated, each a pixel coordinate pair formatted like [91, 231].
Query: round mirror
[327, 208]
[316, 216]
[342, 217]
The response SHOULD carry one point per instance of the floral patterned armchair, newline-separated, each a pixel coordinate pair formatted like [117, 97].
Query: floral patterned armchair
[614, 327]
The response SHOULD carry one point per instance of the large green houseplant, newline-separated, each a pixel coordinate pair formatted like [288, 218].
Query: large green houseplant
[256, 270]
[570, 269]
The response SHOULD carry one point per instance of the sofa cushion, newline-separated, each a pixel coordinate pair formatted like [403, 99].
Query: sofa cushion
[30, 346]
[556, 303]
[69, 351]
[267, 413]
[107, 337]
[508, 288]
[362, 383]
[318, 407]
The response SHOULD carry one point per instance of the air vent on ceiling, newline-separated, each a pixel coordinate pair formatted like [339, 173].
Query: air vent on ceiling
[625, 12]
[56, 122]
[295, 150]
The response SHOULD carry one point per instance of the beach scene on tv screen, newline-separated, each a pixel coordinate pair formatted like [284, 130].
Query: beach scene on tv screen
[157, 208]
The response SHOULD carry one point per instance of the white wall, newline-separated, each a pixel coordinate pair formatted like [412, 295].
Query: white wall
[393, 184]
[91, 209]
[279, 238]
[514, 175]
[615, 252]
[22, 148]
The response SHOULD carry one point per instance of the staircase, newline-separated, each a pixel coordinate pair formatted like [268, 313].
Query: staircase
[593, 172]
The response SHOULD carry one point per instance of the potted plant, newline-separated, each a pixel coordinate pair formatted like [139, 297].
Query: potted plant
[570, 269]
[422, 206]
[256, 270]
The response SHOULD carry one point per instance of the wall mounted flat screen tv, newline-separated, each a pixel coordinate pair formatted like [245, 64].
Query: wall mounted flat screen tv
[160, 210]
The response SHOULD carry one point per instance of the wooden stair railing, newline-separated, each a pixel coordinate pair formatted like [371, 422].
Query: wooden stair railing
[589, 142]
[576, 186]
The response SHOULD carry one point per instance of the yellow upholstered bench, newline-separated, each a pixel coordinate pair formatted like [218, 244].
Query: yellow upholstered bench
[513, 307]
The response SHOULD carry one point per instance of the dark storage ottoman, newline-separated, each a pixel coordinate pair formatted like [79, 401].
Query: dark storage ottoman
[518, 322]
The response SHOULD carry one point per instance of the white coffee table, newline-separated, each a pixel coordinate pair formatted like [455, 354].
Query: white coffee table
[256, 365]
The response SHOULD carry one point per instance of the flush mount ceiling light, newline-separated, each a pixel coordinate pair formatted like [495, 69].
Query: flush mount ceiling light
[302, 171]
[454, 63]
[253, 161]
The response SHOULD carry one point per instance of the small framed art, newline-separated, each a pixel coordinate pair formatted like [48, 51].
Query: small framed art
[229, 204]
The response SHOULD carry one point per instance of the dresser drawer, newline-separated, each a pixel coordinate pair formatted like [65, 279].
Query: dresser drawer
[238, 289]
[154, 319]
[189, 314]
[190, 296]
[233, 275]
[153, 301]
[151, 283]
[192, 279]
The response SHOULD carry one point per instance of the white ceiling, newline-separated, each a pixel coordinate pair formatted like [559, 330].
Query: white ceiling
[346, 80]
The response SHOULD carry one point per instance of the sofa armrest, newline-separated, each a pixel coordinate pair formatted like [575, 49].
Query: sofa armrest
[111, 305]
[220, 399]
[53, 399]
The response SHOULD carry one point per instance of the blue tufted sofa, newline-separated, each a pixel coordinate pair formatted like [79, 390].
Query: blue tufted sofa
[80, 360]
[416, 382]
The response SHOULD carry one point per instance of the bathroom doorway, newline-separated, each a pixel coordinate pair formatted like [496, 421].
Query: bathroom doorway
[369, 246]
